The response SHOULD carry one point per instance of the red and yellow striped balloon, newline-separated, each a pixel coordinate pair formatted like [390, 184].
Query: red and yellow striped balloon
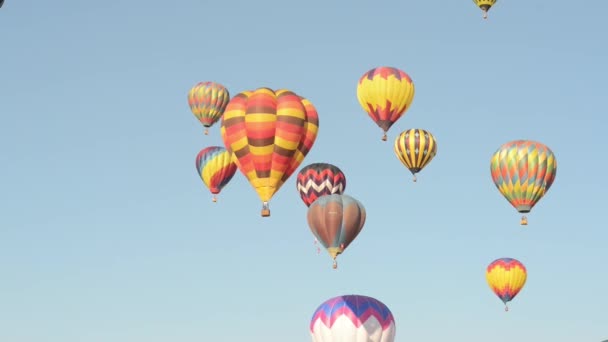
[385, 93]
[415, 148]
[270, 133]
[506, 277]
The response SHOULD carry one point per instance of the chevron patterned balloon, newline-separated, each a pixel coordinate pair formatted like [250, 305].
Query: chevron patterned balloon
[352, 318]
[506, 277]
[523, 171]
[319, 179]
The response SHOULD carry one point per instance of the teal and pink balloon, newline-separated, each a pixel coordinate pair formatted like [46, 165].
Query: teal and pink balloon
[336, 220]
[352, 318]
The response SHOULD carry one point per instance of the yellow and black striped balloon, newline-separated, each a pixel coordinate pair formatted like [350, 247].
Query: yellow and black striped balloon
[415, 148]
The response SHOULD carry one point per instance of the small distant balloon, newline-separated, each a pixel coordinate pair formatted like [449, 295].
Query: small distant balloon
[207, 101]
[506, 277]
[485, 6]
[216, 168]
[415, 148]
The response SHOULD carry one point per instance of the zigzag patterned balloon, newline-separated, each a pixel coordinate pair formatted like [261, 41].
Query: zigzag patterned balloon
[352, 318]
[320, 179]
[523, 171]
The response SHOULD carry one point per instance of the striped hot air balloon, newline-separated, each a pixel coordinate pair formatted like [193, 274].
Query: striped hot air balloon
[485, 6]
[270, 132]
[215, 167]
[335, 221]
[385, 93]
[523, 171]
[319, 179]
[352, 318]
[207, 101]
[415, 148]
[506, 277]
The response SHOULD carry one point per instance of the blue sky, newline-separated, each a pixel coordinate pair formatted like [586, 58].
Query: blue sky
[108, 234]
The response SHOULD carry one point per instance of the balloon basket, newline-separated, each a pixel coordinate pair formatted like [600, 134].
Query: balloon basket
[214, 199]
[206, 131]
[335, 265]
[265, 212]
[524, 221]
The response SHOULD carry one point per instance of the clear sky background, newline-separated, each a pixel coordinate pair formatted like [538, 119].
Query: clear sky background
[108, 234]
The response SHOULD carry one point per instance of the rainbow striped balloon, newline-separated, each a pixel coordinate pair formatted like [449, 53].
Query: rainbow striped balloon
[207, 101]
[506, 277]
[270, 132]
[415, 148]
[215, 167]
[523, 171]
[385, 93]
[352, 318]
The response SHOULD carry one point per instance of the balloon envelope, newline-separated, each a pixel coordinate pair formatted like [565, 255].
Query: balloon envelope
[207, 101]
[270, 132]
[352, 318]
[319, 179]
[415, 148]
[506, 277]
[336, 220]
[215, 167]
[385, 93]
[523, 171]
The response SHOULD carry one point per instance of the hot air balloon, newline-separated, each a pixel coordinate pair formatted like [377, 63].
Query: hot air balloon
[319, 179]
[215, 167]
[523, 172]
[506, 277]
[485, 6]
[415, 148]
[207, 101]
[1, 3]
[270, 132]
[385, 93]
[336, 220]
[352, 318]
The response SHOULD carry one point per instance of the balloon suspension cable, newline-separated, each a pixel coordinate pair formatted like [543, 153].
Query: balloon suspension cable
[384, 137]
[524, 221]
[335, 265]
[214, 199]
[206, 131]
